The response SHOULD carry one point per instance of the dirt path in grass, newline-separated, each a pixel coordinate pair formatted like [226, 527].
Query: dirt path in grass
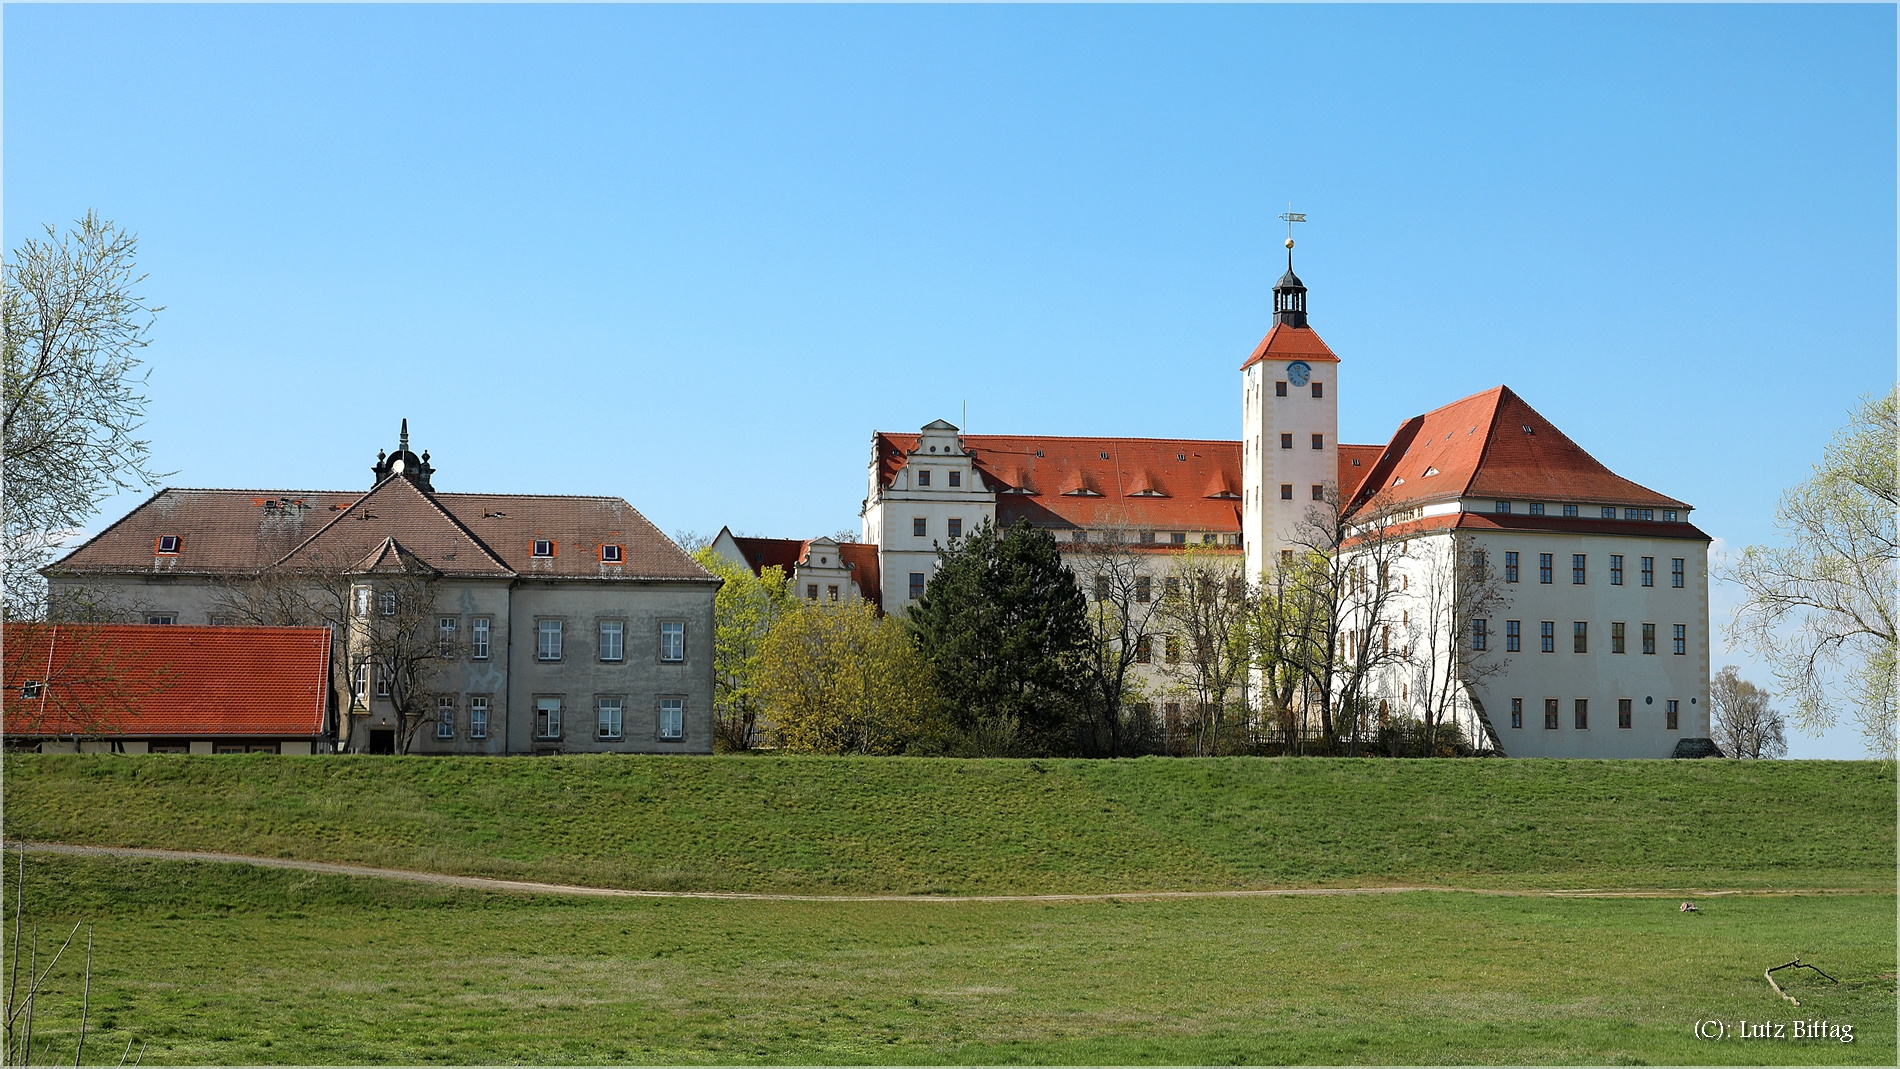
[485, 883]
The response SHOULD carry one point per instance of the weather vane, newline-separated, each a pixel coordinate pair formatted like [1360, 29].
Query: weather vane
[1290, 217]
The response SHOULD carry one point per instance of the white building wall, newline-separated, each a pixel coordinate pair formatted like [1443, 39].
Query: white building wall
[891, 513]
[1270, 523]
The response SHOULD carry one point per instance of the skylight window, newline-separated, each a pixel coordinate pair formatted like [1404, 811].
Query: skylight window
[610, 553]
[1429, 472]
[168, 543]
[543, 547]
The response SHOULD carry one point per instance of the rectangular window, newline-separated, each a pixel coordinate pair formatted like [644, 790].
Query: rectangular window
[1547, 635]
[1624, 712]
[1583, 714]
[672, 718]
[1144, 650]
[613, 635]
[1570, 510]
[1279, 389]
[220, 620]
[360, 601]
[811, 591]
[609, 718]
[1286, 441]
[1178, 538]
[547, 640]
[478, 638]
[919, 528]
[168, 543]
[1319, 389]
[1669, 515]
[547, 718]
[1608, 512]
[1550, 714]
[1286, 491]
[1648, 571]
[543, 547]
[1510, 566]
[1675, 572]
[1517, 712]
[1480, 636]
[445, 636]
[1579, 637]
[359, 684]
[1319, 441]
[1537, 508]
[1616, 638]
[923, 477]
[610, 553]
[955, 529]
[478, 718]
[1172, 649]
[1680, 638]
[1144, 588]
[1319, 492]
[382, 682]
[672, 641]
[1512, 636]
[1577, 561]
[444, 717]
[916, 585]
[831, 592]
[1146, 538]
[161, 618]
[1649, 638]
[1543, 567]
[1616, 569]
[956, 478]
[386, 603]
[1671, 713]
[1502, 507]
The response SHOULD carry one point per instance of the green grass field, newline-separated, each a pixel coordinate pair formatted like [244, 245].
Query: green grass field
[230, 964]
[944, 826]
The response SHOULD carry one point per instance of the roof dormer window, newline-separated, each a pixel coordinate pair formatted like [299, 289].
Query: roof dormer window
[610, 553]
[543, 547]
[1429, 472]
[168, 543]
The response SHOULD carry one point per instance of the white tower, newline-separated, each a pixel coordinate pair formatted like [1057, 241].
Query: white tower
[1289, 428]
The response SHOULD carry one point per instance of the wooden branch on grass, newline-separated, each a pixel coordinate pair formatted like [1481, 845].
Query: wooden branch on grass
[1795, 964]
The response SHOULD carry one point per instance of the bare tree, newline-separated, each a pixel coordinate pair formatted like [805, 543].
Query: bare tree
[1740, 718]
[1119, 577]
[1820, 606]
[72, 403]
[1207, 604]
[1451, 649]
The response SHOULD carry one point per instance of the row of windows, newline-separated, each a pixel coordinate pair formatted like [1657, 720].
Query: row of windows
[1580, 568]
[608, 552]
[1580, 713]
[1318, 491]
[549, 643]
[610, 717]
[1579, 636]
[955, 477]
[920, 527]
[1279, 389]
[1170, 587]
[1606, 512]
[1286, 441]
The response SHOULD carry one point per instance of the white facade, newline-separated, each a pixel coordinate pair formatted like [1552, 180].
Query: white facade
[1289, 446]
[937, 495]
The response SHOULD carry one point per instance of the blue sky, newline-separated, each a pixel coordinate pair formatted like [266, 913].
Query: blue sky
[694, 256]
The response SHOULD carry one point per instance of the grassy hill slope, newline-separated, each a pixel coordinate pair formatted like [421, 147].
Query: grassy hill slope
[924, 826]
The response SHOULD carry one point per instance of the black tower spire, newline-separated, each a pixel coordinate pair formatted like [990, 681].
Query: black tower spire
[404, 463]
[1289, 294]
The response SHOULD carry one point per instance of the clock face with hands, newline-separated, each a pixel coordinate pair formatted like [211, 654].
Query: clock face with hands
[1298, 372]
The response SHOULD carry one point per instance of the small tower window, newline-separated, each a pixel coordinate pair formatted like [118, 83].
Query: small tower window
[1286, 441]
[1319, 389]
[1279, 389]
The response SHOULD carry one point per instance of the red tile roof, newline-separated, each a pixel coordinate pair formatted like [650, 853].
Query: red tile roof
[1490, 521]
[787, 553]
[238, 532]
[862, 557]
[1492, 444]
[1291, 343]
[1355, 463]
[1164, 483]
[167, 681]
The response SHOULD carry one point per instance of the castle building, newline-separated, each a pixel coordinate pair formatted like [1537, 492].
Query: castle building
[1547, 605]
[549, 624]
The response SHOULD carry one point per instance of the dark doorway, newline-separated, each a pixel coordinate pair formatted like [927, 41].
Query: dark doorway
[382, 742]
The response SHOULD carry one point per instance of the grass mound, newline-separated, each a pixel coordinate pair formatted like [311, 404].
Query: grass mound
[895, 825]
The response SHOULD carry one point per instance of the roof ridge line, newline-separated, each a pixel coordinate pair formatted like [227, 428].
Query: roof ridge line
[1490, 432]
